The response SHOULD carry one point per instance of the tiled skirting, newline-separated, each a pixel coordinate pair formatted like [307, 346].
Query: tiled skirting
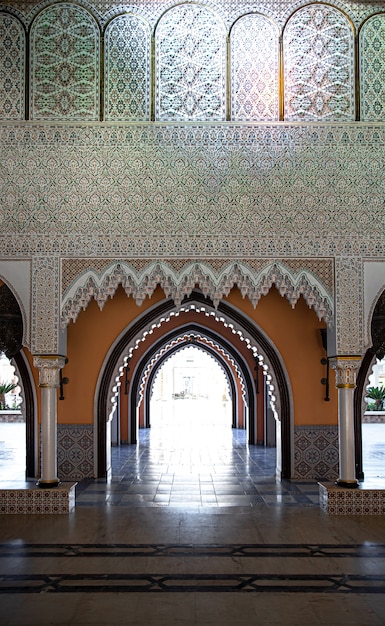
[316, 453]
[341, 501]
[75, 451]
[32, 499]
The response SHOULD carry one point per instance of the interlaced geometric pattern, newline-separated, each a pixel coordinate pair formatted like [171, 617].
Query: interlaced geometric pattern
[65, 65]
[127, 69]
[318, 61]
[12, 68]
[191, 57]
[254, 69]
[372, 69]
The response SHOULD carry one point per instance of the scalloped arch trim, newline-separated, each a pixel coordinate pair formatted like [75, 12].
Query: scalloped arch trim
[178, 283]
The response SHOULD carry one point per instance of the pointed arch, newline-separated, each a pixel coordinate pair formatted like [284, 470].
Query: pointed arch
[190, 329]
[197, 340]
[254, 339]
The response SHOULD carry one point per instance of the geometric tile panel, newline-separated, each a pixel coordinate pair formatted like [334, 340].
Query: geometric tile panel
[35, 500]
[191, 59]
[254, 69]
[319, 69]
[12, 69]
[127, 44]
[65, 64]
[316, 452]
[75, 451]
[339, 501]
[372, 68]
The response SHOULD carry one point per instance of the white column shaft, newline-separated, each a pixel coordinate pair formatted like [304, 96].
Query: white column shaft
[346, 435]
[48, 435]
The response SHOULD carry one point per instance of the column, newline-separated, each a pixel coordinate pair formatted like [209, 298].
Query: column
[346, 368]
[49, 369]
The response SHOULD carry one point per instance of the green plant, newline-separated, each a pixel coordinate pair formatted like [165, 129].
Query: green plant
[5, 388]
[378, 395]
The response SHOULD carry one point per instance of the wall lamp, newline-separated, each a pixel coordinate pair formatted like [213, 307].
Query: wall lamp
[325, 361]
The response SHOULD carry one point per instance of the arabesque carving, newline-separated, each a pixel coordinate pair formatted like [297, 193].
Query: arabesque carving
[179, 284]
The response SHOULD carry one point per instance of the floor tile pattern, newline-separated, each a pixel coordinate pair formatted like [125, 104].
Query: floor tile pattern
[250, 567]
[227, 474]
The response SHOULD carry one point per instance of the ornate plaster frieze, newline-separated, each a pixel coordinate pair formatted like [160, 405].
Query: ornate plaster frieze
[215, 280]
[312, 244]
[160, 187]
[45, 305]
[349, 306]
[229, 11]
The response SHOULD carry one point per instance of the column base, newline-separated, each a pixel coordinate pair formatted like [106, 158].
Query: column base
[48, 484]
[348, 484]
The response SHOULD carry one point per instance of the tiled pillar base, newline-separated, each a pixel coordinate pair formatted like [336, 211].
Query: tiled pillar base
[31, 500]
[341, 501]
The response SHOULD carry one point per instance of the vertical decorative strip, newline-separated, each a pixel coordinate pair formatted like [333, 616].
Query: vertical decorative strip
[12, 68]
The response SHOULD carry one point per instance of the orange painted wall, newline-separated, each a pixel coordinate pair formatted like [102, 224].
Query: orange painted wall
[88, 341]
[295, 332]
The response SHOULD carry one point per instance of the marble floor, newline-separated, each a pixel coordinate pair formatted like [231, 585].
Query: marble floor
[193, 531]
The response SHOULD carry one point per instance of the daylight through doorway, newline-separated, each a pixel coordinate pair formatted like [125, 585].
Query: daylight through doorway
[191, 412]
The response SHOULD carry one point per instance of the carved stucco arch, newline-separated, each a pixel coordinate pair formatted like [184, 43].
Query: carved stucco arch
[215, 280]
[263, 350]
[181, 341]
[184, 341]
[205, 310]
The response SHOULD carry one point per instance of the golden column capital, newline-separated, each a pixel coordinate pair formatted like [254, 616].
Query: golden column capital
[346, 368]
[49, 366]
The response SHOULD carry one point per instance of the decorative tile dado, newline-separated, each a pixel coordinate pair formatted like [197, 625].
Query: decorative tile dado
[361, 501]
[34, 500]
[75, 449]
[316, 452]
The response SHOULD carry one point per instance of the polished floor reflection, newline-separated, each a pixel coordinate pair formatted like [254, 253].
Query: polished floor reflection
[191, 457]
[193, 533]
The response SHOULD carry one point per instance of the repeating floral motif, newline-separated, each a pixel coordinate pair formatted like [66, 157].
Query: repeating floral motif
[372, 68]
[12, 68]
[64, 65]
[127, 69]
[316, 452]
[319, 71]
[254, 69]
[45, 305]
[75, 451]
[60, 500]
[349, 313]
[184, 182]
[338, 501]
[191, 64]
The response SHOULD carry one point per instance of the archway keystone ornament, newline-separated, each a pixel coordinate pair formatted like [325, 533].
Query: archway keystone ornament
[346, 368]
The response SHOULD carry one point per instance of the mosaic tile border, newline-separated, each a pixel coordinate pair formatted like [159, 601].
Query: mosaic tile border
[336, 500]
[35, 500]
[316, 452]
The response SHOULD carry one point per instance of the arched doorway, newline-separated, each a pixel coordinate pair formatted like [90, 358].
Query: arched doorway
[374, 353]
[11, 338]
[243, 331]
